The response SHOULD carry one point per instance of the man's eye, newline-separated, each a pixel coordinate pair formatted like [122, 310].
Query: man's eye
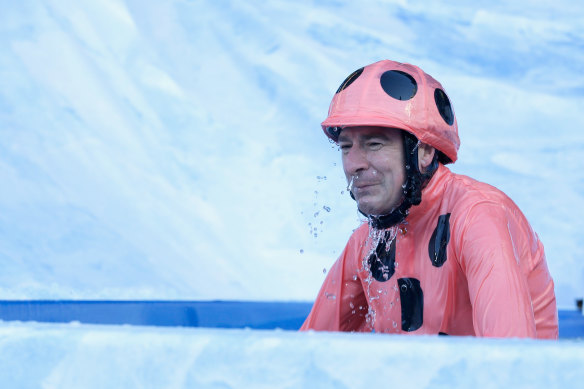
[374, 145]
[345, 146]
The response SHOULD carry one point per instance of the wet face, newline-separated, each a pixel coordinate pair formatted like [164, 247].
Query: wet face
[373, 161]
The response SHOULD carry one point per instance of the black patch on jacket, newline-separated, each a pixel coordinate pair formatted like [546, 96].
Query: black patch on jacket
[439, 241]
[412, 303]
[382, 261]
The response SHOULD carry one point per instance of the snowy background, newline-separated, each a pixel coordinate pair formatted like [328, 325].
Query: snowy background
[172, 150]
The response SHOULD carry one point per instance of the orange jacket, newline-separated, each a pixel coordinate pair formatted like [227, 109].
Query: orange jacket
[464, 262]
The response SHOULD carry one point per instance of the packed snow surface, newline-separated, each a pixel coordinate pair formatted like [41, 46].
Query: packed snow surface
[85, 356]
[164, 150]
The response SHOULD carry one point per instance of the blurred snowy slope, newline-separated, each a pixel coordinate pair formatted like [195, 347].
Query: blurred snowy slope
[173, 150]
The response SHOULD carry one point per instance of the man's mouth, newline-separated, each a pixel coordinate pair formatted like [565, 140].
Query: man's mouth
[359, 184]
[362, 188]
[362, 184]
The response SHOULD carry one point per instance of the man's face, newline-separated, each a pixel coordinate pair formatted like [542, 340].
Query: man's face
[373, 161]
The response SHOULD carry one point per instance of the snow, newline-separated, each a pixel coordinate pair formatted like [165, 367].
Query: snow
[172, 150]
[85, 356]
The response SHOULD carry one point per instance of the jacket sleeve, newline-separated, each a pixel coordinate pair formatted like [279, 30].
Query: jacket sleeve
[341, 304]
[494, 261]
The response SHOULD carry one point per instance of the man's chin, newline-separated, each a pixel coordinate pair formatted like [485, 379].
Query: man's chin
[370, 209]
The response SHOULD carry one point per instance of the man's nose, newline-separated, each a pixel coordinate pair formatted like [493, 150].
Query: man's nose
[355, 160]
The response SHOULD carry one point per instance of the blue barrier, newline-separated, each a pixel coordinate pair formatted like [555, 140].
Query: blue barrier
[214, 314]
[211, 314]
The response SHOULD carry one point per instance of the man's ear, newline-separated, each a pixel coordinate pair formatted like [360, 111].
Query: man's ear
[425, 156]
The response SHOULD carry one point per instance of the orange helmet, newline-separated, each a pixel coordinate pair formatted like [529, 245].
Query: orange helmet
[397, 95]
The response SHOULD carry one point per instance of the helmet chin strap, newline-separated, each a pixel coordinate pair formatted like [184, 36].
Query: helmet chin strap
[412, 189]
[382, 222]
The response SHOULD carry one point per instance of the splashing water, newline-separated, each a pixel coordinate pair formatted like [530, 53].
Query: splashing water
[370, 319]
[374, 238]
[416, 147]
[350, 184]
[316, 226]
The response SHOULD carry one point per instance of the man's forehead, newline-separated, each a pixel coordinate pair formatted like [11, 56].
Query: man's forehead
[368, 132]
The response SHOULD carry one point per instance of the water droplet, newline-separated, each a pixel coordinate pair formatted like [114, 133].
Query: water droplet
[301, 251]
[355, 277]
[394, 324]
[324, 271]
[328, 209]
[350, 184]
[351, 304]
[316, 213]
[330, 296]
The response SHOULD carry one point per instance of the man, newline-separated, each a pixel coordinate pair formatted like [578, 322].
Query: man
[441, 253]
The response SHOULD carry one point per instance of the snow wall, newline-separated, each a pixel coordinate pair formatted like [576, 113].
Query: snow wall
[86, 356]
[173, 150]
